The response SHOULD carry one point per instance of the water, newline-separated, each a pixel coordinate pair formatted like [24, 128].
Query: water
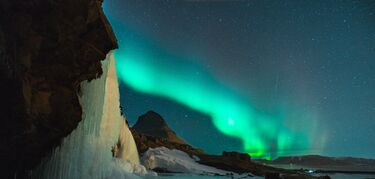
[332, 175]
[187, 176]
[349, 176]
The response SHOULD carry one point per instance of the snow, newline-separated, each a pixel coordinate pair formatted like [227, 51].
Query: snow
[184, 166]
[180, 162]
[124, 169]
[196, 158]
[175, 161]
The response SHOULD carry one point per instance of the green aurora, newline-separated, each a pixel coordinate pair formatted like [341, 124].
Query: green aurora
[150, 69]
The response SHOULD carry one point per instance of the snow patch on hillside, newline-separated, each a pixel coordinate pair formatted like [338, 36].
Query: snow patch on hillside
[176, 161]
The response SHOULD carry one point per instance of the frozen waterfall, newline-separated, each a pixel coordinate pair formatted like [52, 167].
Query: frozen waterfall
[126, 143]
[87, 151]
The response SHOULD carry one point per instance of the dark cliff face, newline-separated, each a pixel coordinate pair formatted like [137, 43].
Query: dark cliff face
[47, 48]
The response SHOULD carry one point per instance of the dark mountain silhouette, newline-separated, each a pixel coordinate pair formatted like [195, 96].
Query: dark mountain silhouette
[154, 125]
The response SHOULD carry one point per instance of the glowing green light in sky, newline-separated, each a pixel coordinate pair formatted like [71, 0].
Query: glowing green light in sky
[150, 68]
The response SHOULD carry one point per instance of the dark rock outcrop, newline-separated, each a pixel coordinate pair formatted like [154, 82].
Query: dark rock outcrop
[47, 48]
[272, 176]
[237, 155]
[240, 165]
[144, 142]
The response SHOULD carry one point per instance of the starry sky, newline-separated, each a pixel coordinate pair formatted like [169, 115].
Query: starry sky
[269, 78]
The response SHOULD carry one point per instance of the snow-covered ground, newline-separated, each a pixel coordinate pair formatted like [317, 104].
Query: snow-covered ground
[180, 162]
[124, 169]
[176, 161]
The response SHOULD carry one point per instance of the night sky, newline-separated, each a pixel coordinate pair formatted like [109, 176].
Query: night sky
[269, 78]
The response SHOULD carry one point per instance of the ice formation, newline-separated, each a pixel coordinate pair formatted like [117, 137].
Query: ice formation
[86, 152]
[126, 143]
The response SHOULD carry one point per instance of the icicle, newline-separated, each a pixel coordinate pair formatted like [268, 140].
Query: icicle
[125, 148]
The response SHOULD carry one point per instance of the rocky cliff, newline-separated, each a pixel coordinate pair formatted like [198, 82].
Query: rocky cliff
[47, 48]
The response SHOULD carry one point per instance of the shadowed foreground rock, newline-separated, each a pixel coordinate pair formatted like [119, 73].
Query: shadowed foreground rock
[47, 48]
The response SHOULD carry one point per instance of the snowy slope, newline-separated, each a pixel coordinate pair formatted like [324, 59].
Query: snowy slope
[180, 162]
[175, 161]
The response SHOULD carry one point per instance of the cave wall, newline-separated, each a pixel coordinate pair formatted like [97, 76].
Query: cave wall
[47, 48]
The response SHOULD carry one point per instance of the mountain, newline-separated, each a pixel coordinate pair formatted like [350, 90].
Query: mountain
[153, 124]
[151, 131]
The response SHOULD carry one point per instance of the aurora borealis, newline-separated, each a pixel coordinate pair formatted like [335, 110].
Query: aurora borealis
[194, 87]
[247, 70]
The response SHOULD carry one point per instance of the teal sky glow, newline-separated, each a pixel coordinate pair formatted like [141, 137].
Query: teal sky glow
[149, 69]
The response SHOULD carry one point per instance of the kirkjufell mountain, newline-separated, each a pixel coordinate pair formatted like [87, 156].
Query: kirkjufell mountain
[151, 123]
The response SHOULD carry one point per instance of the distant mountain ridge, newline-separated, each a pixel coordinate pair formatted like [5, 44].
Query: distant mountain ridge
[319, 160]
[326, 163]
